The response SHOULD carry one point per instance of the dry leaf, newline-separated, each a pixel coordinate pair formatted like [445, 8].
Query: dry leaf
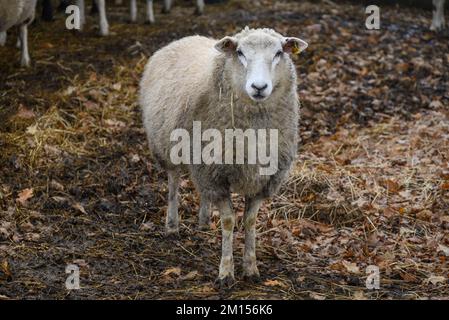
[275, 283]
[24, 195]
[351, 266]
[175, 270]
[435, 280]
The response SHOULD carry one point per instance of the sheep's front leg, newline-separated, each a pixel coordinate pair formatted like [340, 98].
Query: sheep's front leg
[25, 56]
[2, 38]
[199, 7]
[81, 7]
[250, 270]
[133, 10]
[226, 272]
[438, 21]
[150, 11]
[104, 25]
[172, 219]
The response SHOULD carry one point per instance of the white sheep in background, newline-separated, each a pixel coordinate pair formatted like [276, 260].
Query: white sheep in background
[17, 13]
[247, 81]
[438, 22]
[104, 25]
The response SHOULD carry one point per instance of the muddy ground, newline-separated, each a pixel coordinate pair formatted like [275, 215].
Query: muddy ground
[77, 185]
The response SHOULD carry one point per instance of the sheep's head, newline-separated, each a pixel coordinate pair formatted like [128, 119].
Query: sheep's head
[260, 59]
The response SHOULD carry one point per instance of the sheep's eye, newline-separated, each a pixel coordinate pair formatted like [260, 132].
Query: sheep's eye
[278, 54]
[240, 53]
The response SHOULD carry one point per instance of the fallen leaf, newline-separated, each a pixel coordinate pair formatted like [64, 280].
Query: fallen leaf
[435, 280]
[24, 195]
[175, 270]
[190, 276]
[275, 283]
[351, 266]
[443, 249]
[25, 113]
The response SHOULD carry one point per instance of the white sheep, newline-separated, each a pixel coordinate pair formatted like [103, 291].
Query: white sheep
[247, 81]
[438, 22]
[17, 13]
[104, 25]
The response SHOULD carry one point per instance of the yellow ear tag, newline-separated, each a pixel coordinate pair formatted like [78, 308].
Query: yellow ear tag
[295, 49]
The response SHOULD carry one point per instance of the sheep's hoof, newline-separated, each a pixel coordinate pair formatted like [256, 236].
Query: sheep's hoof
[252, 278]
[172, 233]
[165, 11]
[226, 283]
[204, 227]
[149, 22]
[198, 12]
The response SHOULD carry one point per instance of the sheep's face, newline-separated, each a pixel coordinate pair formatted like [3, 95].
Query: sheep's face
[259, 61]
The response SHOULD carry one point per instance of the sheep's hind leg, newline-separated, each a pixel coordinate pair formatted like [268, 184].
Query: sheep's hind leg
[25, 56]
[199, 7]
[133, 10]
[104, 25]
[172, 219]
[226, 272]
[205, 209]
[167, 6]
[438, 22]
[150, 11]
[2, 38]
[250, 270]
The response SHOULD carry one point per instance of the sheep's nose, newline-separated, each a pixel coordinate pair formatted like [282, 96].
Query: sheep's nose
[259, 86]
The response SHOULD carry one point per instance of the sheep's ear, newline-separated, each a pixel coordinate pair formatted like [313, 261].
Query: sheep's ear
[294, 45]
[227, 45]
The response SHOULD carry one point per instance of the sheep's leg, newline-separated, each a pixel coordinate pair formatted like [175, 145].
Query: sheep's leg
[133, 10]
[438, 21]
[250, 270]
[226, 272]
[205, 208]
[25, 56]
[199, 7]
[172, 219]
[150, 11]
[2, 38]
[104, 26]
[80, 4]
[167, 6]
[117, 2]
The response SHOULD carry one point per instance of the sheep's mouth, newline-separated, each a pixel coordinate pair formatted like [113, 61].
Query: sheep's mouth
[259, 97]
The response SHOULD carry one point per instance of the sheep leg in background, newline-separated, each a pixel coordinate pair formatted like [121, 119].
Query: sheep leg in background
[167, 6]
[47, 10]
[252, 206]
[205, 208]
[80, 4]
[199, 7]
[172, 218]
[117, 2]
[133, 10]
[150, 12]
[25, 56]
[438, 22]
[226, 272]
[2, 38]
[104, 26]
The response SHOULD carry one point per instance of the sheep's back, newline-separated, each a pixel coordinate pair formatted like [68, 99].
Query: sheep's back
[173, 81]
[16, 12]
